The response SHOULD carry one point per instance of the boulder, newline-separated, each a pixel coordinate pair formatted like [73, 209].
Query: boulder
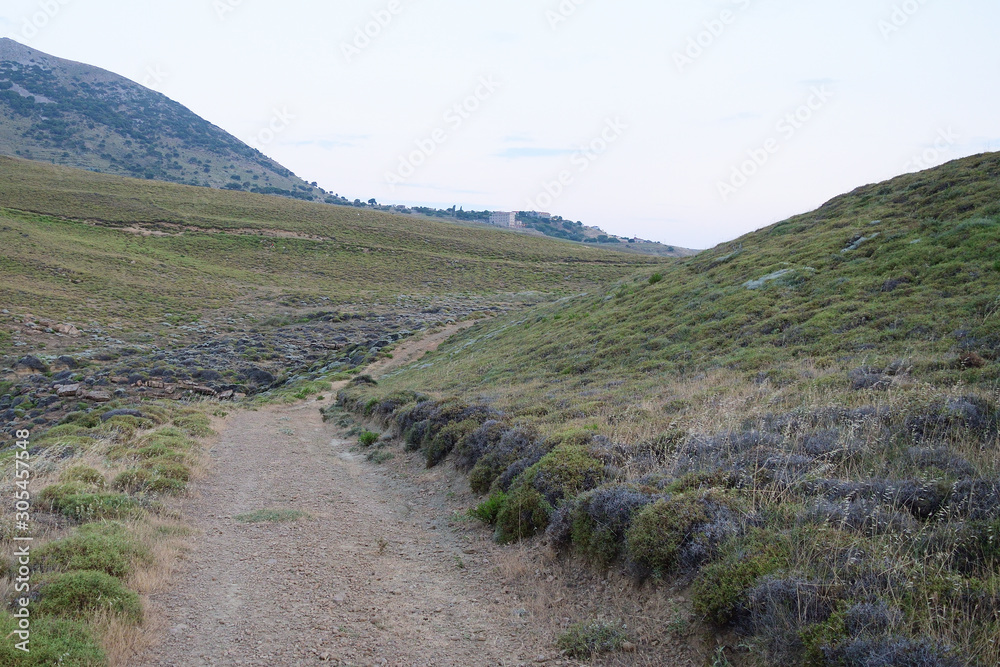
[67, 330]
[96, 396]
[66, 390]
[30, 366]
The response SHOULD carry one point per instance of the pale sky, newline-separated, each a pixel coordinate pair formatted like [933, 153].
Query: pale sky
[665, 120]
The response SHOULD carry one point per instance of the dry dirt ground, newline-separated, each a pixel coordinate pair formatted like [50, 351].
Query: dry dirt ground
[382, 569]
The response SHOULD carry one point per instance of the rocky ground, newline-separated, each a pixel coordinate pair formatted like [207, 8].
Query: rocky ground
[64, 368]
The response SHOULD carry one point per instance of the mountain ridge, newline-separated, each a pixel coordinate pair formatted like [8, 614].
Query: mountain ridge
[70, 113]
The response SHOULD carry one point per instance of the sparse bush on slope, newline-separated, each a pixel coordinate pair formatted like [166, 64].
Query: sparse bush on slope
[819, 457]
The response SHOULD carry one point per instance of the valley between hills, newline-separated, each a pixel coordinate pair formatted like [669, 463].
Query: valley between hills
[246, 423]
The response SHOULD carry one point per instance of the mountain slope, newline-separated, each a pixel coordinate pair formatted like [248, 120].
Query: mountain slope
[802, 423]
[881, 272]
[93, 247]
[77, 115]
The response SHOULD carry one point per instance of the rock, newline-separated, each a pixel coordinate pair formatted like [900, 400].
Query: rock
[96, 396]
[121, 412]
[66, 390]
[64, 363]
[226, 395]
[258, 376]
[30, 366]
[207, 375]
[67, 330]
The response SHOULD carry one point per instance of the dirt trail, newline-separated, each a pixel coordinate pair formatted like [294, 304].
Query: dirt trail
[381, 571]
[371, 577]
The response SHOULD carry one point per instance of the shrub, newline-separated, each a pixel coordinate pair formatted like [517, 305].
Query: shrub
[445, 440]
[107, 548]
[600, 520]
[583, 640]
[73, 500]
[682, 532]
[474, 446]
[524, 512]
[564, 472]
[367, 438]
[76, 594]
[54, 641]
[84, 474]
[720, 590]
[168, 469]
[514, 444]
[151, 480]
[891, 651]
[488, 510]
[780, 608]
[196, 424]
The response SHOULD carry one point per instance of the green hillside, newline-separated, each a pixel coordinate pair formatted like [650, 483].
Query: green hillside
[81, 116]
[801, 423]
[82, 246]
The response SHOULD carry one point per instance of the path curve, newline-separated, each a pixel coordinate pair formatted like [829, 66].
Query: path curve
[368, 578]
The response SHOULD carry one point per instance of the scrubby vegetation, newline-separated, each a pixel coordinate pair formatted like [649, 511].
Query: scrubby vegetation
[584, 640]
[99, 541]
[802, 425]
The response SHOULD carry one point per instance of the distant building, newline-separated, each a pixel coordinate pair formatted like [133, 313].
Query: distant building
[538, 214]
[505, 219]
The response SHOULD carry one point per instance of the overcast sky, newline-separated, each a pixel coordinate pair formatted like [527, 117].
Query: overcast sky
[684, 122]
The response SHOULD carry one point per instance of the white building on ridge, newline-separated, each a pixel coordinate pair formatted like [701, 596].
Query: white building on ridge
[505, 219]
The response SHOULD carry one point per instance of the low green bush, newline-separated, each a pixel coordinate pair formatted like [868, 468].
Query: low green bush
[84, 592]
[488, 510]
[564, 472]
[659, 530]
[106, 548]
[53, 641]
[367, 438]
[148, 480]
[84, 474]
[445, 440]
[524, 513]
[194, 423]
[721, 587]
[75, 500]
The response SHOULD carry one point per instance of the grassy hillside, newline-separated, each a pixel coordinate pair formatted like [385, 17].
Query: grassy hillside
[81, 116]
[83, 246]
[802, 424]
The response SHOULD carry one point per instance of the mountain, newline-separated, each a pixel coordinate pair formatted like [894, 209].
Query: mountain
[72, 114]
[801, 425]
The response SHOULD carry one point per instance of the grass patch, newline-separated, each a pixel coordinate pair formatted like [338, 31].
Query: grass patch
[584, 640]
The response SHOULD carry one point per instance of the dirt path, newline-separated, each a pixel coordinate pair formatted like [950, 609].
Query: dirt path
[372, 576]
[382, 570]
